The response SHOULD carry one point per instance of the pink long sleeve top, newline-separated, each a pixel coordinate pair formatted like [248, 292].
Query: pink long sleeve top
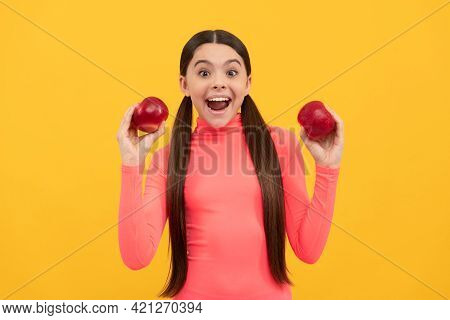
[227, 256]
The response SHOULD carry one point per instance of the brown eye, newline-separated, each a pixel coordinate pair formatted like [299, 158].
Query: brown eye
[201, 73]
[233, 71]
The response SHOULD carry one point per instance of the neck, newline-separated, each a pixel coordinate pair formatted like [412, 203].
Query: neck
[204, 127]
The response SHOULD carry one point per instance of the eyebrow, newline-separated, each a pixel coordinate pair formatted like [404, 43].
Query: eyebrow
[208, 62]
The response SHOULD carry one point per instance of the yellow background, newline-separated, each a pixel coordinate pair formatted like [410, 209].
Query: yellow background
[68, 72]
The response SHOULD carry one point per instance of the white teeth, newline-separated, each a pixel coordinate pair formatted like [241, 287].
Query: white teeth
[218, 99]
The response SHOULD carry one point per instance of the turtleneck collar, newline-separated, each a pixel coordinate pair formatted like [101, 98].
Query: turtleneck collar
[204, 127]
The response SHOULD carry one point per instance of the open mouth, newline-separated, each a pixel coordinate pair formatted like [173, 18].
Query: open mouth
[218, 105]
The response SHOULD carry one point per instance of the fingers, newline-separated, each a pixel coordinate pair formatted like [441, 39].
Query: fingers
[304, 136]
[162, 127]
[129, 115]
[160, 131]
[156, 134]
[339, 124]
[126, 119]
[333, 113]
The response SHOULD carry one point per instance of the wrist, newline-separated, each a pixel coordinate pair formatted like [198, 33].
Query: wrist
[132, 162]
[129, 164]
[328, 166]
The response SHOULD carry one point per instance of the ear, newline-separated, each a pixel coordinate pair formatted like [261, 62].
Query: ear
[183, 86]
[249, 82]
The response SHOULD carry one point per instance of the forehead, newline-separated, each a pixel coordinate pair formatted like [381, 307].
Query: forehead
[216, 53]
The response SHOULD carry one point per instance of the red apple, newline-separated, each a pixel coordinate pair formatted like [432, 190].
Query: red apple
[149, 114]
[316, 120]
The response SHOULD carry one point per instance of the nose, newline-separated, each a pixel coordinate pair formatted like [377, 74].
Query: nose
[219, 82]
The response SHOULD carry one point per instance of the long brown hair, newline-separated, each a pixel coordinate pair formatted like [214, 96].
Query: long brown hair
[265, 161]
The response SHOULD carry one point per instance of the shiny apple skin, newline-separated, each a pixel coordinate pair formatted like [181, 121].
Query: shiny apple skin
[317, 121]
[149, 114]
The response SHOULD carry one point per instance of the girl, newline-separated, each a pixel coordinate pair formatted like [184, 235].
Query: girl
[231, 189]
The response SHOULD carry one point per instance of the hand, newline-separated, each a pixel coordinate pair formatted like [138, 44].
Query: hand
[328, 151]
[133, 149]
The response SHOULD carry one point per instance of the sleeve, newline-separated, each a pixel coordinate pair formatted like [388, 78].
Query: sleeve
[142, 217]
[307, 222]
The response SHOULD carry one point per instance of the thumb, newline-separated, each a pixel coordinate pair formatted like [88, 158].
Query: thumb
[151, 137]
[304, 136]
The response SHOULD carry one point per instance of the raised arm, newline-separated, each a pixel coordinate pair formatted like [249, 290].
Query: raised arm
[307, 222]
[142, 217]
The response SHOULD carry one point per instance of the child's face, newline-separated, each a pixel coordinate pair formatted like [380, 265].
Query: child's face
[204, 80]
